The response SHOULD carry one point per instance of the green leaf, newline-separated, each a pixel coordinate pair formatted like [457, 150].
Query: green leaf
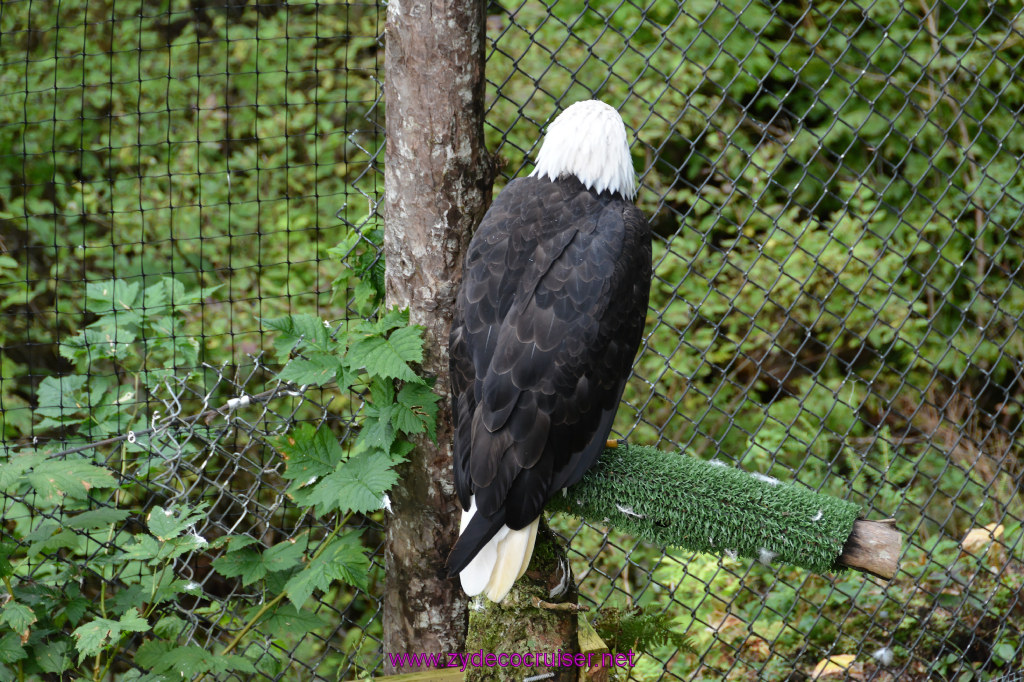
[65, 539]
[233, 663]
[378, 430]
[145, 548]
[343, 559]
[296, 329]
[169, 627]
[418, 411]
[19, 616]
[110, 296]
[58, 396]
[53, 479]
[389, 357]
[309, 452]
[358, 485]
[171, 522]
[52, 657]
[285, 554]
[287, 620]
[246, 564]
[13, 470]
[74, 606]
[316, 370]
[392, 319]
[11, 649]
[188, 661]
[7, 550]
[93, 636]
[150, 654]
[162, 586]
[97, 518]
[131, 597]
[251, 565]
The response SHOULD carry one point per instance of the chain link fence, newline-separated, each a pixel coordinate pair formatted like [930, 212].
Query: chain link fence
[836, 193]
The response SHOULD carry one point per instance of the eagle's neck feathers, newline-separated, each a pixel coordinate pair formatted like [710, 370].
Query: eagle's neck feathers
[588, 141]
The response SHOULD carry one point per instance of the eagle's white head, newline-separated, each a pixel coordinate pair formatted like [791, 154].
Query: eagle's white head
[588, 140]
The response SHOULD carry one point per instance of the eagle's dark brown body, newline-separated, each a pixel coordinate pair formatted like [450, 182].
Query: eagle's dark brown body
[550, 314]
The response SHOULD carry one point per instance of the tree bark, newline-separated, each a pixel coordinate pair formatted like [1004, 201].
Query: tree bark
[437, 187]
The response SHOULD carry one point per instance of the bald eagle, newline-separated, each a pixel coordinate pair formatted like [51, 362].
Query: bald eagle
[548, 319]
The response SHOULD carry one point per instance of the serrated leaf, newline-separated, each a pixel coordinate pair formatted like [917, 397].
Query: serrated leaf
[134, 675]
[13, 470]
[169, 627]
[285, 554]
[246, 564]
[296, 329]
[343, 559]
[131, 597]
[19, 617]
[133, 622]
[392, 319]
[11, 649]
[309, 452]
[64, 539]
[110, 296]
[187, 661]
[97, 518]
[171, 522]
[74, 478]
[250, 565]
[60, 396]
[358, 485]
[150, 654]
[145, 548]
[378, 428]
[288, 620]
[400, 450]
[389, 357]
[232, 663]
[156, 296]
[93, 636]
[162, 586]
[74, 607]
[237, 542]
[52, 657]
[316, 370]
[418, 411]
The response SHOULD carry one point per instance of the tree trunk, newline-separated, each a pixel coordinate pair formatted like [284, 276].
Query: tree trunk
[437, 186]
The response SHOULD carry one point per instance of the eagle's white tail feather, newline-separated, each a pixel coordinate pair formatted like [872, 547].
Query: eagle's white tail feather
[500, 562]
[514, 552]
[529, 547]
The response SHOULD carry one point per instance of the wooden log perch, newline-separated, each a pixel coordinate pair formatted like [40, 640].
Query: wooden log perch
[873, 547]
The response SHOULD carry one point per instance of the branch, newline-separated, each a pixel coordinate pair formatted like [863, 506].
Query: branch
[680, 501]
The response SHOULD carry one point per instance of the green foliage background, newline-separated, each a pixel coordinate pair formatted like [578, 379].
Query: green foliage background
[837, 193]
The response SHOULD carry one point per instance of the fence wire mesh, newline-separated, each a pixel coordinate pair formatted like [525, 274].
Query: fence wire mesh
[836, 192]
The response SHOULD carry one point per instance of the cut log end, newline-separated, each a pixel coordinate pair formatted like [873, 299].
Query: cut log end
[873, 547]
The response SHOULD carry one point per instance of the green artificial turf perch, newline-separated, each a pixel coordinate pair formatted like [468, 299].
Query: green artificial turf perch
[709, 506]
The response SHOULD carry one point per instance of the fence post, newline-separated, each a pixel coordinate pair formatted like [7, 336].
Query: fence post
[437, 186]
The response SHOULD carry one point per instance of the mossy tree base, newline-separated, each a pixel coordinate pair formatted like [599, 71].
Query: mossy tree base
[518, 625]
